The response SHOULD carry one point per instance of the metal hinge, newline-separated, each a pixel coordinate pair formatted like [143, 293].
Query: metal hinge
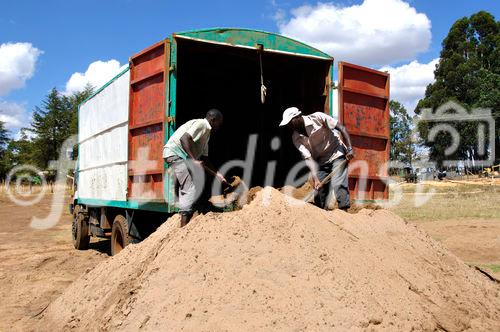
[170, 119]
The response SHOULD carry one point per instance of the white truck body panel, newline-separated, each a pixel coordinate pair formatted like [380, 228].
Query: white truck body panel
[103, 142]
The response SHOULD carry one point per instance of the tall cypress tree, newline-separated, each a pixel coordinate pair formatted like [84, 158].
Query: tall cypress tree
[4, 137]
[51, 126]
[4, 141]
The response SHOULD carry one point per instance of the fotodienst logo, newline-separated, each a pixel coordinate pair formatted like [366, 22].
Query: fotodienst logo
[446, 118]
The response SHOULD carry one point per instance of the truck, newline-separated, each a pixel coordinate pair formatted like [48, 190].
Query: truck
[124, 188]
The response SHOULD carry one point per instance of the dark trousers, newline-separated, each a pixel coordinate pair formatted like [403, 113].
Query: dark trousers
[338, 185]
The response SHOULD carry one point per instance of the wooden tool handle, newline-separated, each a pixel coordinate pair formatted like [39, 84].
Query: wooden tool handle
[211, 171]
[325, 180]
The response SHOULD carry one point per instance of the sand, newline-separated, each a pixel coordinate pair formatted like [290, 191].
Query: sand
[300, 192]
[278, 265]
[307, 188]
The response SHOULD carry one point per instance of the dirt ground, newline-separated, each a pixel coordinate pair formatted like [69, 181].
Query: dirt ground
[476, 241]
[36, 266]
[463, 215]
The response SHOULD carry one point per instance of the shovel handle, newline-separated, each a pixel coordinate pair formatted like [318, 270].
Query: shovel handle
[212, 172]
[325, 180]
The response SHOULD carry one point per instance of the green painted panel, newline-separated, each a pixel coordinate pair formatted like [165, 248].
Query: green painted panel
[130, 204]
[168, 185]
[251, 38]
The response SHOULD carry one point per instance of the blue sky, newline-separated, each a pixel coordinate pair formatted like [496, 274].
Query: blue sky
[67, 36]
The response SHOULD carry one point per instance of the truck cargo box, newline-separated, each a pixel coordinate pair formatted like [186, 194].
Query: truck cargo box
[124, 125]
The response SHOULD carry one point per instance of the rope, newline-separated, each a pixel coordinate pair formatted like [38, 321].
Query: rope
[263, 89]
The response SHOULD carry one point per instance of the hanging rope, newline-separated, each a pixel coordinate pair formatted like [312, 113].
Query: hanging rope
[263, 89]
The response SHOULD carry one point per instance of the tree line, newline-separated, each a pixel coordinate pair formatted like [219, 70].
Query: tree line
[52, 123]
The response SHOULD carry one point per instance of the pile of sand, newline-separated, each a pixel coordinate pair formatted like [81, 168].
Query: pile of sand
[299, 193]
[277, 265]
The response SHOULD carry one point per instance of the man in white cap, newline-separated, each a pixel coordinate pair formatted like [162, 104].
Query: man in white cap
[323, 150]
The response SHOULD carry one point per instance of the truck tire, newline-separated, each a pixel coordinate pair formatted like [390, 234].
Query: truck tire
[80, 230]
[119, 235]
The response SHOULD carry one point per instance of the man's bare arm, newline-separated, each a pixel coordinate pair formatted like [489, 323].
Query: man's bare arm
[347, 140]
[187, 142]
[313, 167]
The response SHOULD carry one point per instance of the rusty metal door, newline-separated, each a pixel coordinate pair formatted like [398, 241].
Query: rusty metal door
[364, 111]
[148, 121]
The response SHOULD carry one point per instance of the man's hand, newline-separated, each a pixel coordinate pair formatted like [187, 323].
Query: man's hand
[198, 163]
[350, 154]
[317, 183]
[222, 178]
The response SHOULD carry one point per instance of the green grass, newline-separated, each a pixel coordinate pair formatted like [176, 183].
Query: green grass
[495, 268]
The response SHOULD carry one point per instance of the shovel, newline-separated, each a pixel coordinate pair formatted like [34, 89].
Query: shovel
[325, 180]
[234, 191]
[231, 186]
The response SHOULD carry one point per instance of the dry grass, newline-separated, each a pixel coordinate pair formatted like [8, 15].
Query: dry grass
[449, 201]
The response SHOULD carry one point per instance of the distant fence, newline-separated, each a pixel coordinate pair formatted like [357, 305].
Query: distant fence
[26, 188]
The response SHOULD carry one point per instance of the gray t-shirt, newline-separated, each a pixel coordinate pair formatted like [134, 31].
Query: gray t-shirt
[199, 130]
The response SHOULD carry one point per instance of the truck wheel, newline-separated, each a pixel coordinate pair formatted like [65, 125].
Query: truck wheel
[80, 231]
[119, 235]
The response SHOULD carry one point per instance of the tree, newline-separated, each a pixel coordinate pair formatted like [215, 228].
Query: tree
[4, 137]
[4, 141]
[403, 143]
[50, 126]
[469, 74]
[53, 122]
[20, 151]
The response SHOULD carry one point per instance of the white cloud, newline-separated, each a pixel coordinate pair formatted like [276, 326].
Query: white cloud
[408, 82]
[17, 65]
[13, 114]
[279, 14]
[376, 32]
[97, 74]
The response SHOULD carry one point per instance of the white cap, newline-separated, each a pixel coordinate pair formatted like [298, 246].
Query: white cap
[289, 114]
